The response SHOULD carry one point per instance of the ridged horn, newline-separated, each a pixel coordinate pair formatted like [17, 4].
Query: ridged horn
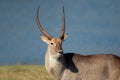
[63, 24]
[40, 26]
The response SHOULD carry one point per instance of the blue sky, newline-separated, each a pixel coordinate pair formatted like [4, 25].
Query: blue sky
[93, 27]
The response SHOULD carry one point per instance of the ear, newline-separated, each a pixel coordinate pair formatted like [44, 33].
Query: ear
[65, 36]
[44, 38]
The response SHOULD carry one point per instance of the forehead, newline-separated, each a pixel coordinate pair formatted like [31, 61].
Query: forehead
[56, 40]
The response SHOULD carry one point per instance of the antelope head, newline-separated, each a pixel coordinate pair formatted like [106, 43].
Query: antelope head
[54, 44]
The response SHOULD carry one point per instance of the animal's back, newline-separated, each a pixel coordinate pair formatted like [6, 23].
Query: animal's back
[92, 67]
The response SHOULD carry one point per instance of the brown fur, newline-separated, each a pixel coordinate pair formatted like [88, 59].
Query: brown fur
[92, 67]
[71, 66]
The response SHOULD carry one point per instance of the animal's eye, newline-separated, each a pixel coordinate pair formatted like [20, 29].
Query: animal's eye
[52, 43]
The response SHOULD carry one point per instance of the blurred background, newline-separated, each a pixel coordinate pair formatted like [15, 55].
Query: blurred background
[93, 27]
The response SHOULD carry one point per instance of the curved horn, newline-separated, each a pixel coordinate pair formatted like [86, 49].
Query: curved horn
[63, 25]
[40, 26]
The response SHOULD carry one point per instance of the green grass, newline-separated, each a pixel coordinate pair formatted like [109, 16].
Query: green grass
[24, 72]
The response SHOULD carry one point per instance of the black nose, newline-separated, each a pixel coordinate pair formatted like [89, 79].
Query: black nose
[60, 51]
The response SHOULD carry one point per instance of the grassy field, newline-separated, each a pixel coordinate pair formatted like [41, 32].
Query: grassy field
[24, 72]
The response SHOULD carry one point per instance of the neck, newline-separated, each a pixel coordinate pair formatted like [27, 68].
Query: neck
[54, 66]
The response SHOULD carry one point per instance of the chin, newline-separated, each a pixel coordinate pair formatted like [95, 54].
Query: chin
[59, 55]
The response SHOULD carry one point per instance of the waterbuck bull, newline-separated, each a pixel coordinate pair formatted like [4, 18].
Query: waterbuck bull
[72, 66]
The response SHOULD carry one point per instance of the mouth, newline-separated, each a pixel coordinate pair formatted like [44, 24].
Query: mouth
[59, 54]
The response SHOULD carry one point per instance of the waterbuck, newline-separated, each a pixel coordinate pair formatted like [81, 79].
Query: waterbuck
[73, 66]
